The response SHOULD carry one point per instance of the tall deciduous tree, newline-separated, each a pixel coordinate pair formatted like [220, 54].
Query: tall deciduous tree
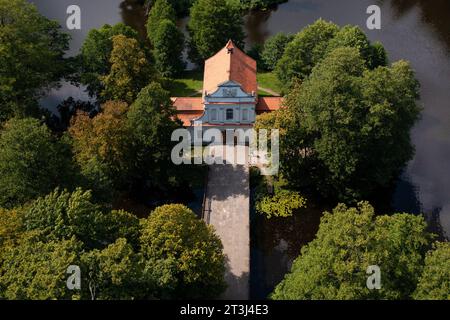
[312, 44]
[305, 51]
[96, 54]
[434, 283]
[32, 57]
[161, 10]
[102, 147]
[349, 240]
[151, 121]
[130, 71]
[34, 270]
[212, 24]
[183, 255]
[274, 49]
[348, 128]
[181, 7]
[114, 273]
[32, 162]
[168, 46]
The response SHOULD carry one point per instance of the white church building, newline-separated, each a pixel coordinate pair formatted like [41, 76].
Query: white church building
[230, 94]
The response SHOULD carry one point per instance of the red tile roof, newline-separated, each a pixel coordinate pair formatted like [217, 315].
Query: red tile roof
[230, 63]
[268, 104]
[187, 117]
[188, 104]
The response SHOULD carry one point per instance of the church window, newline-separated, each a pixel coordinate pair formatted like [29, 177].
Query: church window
[213, 115]
[230, 114]
[245, 115]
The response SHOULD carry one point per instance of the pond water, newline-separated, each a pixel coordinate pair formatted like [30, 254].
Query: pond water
[415, 30]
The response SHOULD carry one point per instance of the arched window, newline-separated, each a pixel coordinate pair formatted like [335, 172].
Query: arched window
[230, 115]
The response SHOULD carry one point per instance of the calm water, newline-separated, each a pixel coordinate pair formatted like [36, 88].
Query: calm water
[415, 30]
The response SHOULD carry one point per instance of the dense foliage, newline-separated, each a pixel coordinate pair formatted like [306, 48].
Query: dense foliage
[311, 45]
[274, 199]
[184, 255]
[172, 254]
[434, 284]
[349, 240]
[95, 54]
[130, 71]
[345, 132]
[32, 57]
[168, 46]
[161, 10]
[281, 204]
[181, 7]
[32, 162]
[346, 128]
[212, 23]
[127, 148]
[274, 49]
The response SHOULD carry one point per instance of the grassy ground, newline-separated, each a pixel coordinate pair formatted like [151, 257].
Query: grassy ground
[268, 80]
[190, 84]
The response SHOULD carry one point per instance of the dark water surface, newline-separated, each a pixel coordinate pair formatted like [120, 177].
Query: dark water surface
[415, 30]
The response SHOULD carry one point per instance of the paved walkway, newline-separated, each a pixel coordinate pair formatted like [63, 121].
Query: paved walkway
[228, 198]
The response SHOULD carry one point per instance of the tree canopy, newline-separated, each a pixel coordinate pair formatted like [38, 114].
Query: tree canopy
[212, 23]
[32, 50]
[151, 120]
[102, 147]
[274, 49]
[32, 162]
[333, 266]
[170, 254]
[184, 255]
[96, 54]
[346, 128]
[130, 71]
[312, 44]
[168, 43]
[161, 10]
[434, 283]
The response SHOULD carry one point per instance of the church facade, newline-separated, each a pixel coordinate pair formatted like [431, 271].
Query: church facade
[230, 98]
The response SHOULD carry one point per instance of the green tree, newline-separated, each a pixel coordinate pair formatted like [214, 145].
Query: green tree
[32, 52]
[349, 240]
[10, 227]
[96, 54]
[183, 255]
[114, 273]
[274, 49]
[257, 4]
[168, 44]
[102, 147]
[434, 283]
[353, 36]
[305, 51]
[181, 7]
[350, 125]
[130, 71]
[35, 270]
[312, 44]
[281, 204]
[212, 24]
[161, 10]
[62, 215]
[32, 162]
[151, 121]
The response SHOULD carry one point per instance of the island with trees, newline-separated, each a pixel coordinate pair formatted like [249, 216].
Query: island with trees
[94, 186]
